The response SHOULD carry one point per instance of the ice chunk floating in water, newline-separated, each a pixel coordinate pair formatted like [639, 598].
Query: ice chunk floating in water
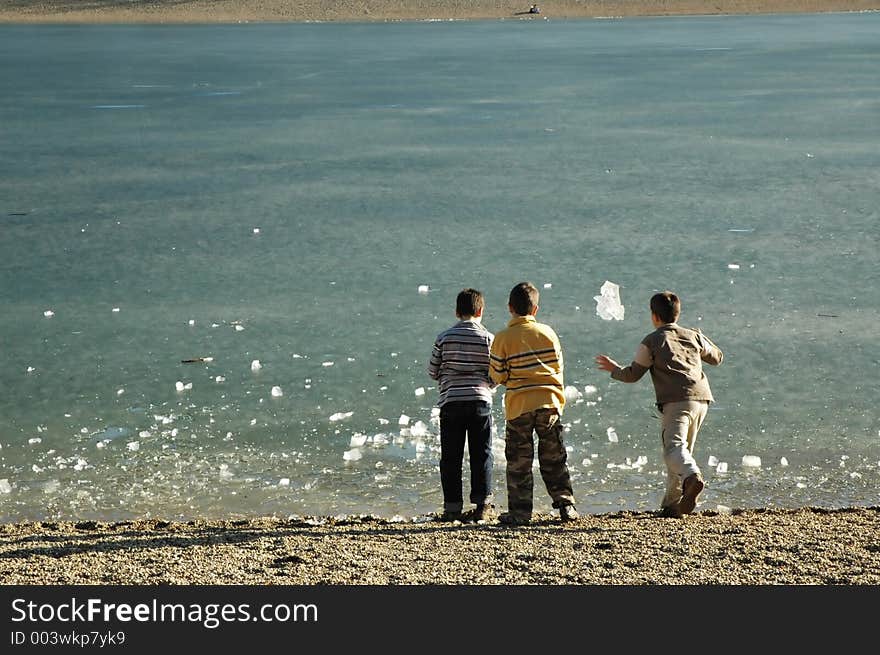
[608, 304]
[751, 460]
[571, 393]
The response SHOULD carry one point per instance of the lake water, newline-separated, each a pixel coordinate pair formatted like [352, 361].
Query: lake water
[281, 192]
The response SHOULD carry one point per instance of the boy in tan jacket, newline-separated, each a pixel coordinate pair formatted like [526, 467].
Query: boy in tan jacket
[674, 356]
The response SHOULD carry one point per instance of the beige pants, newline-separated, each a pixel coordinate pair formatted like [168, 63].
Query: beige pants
[681, 422]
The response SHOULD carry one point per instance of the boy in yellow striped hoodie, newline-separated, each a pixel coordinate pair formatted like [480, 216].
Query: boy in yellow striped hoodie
[526, 358]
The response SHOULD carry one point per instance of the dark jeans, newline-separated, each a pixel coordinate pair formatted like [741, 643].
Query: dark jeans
[460, 420]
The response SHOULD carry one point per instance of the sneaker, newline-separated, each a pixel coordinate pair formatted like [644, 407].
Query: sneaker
[514, 519]
[690, 491]
[670, 512]
[568, 513]
[449, 516]
[484, 512]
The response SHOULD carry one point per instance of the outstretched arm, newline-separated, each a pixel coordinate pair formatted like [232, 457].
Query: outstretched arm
[605, 363]
[631, 373]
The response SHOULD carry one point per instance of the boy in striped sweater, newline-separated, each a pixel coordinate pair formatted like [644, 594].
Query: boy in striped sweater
[526, 358]
[460, 363]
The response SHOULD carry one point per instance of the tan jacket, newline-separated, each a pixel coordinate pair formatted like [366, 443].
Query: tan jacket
[674, 355]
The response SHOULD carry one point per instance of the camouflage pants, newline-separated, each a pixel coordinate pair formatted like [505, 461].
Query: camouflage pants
[519, 450]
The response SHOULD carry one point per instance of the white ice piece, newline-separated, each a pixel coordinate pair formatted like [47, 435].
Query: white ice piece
[420, 391]
[115, 310]
[612, 435]
[357, 440]
[191, 322]
[119, 392]
[256, 230]
[5, 487]
[403, 420]
[752, 461]
[721, 468]
[48, 313]
[277, 392]
[34, 440]
[590, 389]
[255, 365]
[783, 461]
[133, 445]
[31, 369]
[548, 285]
[713, 461]
[571, 393]
[419, 429]
[587, 462]
[723, 509]
[352, 455]
[325, 364]
[608, 305]
[338, 416]
[219, 379]
[180, 386]
[424, 288]
[284, 482]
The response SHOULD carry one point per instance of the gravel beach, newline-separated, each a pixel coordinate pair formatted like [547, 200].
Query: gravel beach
[235, 11]
[809, 546]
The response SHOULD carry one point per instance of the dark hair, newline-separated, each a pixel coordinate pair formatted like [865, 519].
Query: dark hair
[469, 302]
[524, 298]
[666, 306]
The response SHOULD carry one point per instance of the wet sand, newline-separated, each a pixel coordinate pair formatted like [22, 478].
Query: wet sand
[235, 11]
[809, 546]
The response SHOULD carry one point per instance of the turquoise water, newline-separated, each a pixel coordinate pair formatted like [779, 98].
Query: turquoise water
[281, 192]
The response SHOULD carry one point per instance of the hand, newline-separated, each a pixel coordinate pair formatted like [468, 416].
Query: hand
[606, 363]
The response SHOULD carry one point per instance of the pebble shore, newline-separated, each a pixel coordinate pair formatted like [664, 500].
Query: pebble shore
[810, 546]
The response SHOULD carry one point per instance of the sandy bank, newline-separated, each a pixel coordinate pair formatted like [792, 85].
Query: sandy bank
[755, 547]
[233, 11]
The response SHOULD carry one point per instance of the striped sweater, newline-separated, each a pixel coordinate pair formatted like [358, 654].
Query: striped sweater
[526, 358]
[460, 362]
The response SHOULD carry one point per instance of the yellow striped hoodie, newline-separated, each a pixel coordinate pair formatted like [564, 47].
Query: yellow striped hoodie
[526, 358]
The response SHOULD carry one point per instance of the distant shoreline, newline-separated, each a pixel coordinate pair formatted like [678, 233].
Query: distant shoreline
[240, 11]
